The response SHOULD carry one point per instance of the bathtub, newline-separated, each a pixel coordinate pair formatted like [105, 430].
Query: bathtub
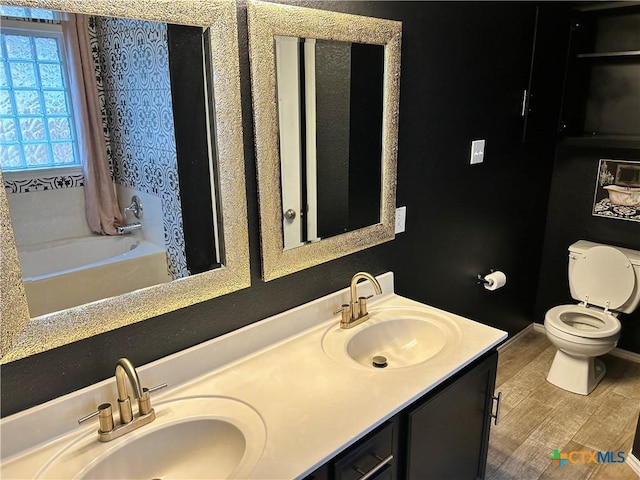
[67, 273]
[626, 196]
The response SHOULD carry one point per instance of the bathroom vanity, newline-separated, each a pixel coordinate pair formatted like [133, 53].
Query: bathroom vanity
[424, 440]
[282, 399]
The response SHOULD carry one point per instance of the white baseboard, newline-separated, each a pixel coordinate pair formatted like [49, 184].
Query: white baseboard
[634, 463]
[627, 355]
[616, 352]
[509, 343]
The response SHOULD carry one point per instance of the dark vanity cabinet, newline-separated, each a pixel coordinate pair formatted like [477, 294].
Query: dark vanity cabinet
[447, 432]
[443, 435]
[376, 456]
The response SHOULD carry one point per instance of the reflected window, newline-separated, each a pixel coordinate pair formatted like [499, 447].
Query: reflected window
[36, 119]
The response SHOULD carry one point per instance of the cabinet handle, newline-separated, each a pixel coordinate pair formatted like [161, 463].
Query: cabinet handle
[496, 415]
[523, 109]
[374, 470]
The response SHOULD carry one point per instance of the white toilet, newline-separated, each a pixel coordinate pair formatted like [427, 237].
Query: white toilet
[606, 281]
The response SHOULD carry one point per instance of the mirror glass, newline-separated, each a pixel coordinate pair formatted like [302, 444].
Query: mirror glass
[330, 99]
[150, 81]
[134, 103]
[325, 89]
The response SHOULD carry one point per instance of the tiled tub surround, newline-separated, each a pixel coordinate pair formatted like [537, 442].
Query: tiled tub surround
[134, 87]
[48, 216]
[134, 60]
[278, 367]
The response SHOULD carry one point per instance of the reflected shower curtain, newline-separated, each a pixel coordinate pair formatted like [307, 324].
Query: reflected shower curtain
[103, 212]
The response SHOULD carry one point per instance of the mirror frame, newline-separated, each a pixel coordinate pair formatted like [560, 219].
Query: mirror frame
[21, 336]
[265, 21]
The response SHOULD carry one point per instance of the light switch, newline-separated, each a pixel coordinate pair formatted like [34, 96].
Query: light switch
[477, 152]
[401, 217]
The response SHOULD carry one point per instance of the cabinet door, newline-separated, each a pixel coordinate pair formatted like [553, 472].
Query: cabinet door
[448, 434]
[541, 102]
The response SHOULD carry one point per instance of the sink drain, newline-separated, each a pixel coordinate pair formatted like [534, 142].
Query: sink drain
[379, 361]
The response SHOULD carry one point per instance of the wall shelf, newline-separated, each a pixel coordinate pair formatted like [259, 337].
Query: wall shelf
[604, 141]
[602, 85]
[623, 54]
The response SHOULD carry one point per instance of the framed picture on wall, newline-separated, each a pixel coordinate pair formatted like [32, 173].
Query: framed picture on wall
[617, 192]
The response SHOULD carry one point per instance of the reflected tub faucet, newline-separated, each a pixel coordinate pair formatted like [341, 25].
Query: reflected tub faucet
[134, 207]
[128, 228]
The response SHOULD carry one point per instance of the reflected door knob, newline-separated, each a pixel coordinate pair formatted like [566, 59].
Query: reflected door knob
[290, 214]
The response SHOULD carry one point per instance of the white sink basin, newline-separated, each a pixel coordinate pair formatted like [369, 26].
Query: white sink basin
[191, 438]
[403, 336]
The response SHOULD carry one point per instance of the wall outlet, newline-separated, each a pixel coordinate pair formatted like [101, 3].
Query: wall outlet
[401, 217]
[477, 152]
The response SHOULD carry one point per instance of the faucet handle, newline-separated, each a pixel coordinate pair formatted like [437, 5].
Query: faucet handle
[342, 308]
[362, 305]
[134, 207]
[105, 417]
[156, 388]
[144, 402]
[345, 309]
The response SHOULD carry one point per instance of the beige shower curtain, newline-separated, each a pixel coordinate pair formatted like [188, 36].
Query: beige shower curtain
[103, 212]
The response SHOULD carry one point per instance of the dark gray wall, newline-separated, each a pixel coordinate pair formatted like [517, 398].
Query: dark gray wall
[465, 66]
[570, 219]
[463, 69]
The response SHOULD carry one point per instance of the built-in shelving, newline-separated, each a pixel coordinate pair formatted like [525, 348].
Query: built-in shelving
[607, 6]
[601, 106]
[604, 141]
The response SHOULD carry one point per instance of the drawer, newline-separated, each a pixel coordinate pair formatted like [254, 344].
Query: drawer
[371, 458]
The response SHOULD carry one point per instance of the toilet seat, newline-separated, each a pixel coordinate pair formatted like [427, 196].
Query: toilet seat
[581, 321]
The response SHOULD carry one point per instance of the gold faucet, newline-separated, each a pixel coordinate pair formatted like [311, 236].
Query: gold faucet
[356, 312]
[128, 422]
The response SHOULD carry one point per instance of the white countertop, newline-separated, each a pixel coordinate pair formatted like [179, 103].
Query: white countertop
[312, 406]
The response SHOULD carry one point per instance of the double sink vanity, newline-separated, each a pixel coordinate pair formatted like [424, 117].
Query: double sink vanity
[292, 396]
[343, 387]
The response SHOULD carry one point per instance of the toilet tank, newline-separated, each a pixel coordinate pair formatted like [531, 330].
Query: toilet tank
[575, 254]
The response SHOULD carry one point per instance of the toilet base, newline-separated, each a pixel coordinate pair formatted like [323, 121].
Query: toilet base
[576, 374]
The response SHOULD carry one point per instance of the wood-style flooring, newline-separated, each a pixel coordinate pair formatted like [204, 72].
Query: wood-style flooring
[537, 417]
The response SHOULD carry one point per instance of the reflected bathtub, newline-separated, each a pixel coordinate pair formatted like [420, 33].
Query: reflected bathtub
[67, 273]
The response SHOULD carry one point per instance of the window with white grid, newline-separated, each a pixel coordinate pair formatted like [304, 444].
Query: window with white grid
[36, 117]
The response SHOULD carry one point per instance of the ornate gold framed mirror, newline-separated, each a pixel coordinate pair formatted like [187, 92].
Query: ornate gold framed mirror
[22, 335]
[325, 91]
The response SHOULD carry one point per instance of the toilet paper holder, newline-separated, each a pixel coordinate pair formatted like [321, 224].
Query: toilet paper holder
[494, 280]
[482, 280]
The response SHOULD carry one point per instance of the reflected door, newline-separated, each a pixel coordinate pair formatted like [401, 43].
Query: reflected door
[330, 117]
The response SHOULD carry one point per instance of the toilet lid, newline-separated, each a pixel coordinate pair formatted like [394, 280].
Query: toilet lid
[603, 274]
